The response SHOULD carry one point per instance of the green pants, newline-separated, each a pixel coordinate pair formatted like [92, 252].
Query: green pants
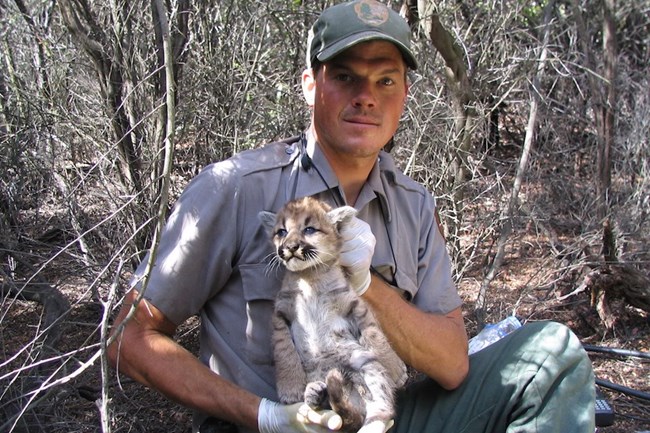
[537, 379]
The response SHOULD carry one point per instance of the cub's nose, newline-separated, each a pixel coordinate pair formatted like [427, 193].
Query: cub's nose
[289, 250]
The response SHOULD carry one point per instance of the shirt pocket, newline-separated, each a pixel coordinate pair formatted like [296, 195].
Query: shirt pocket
[260, 286]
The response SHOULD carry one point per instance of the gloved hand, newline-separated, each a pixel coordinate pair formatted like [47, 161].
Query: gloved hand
[274, 417]
[377, 426]
[357, 251]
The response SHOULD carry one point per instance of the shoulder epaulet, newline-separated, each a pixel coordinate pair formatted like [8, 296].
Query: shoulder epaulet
[270, 156]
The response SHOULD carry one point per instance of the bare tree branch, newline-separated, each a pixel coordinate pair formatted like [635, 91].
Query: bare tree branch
[81, 23]
[507, 215]
[39, 41]
[462, 97]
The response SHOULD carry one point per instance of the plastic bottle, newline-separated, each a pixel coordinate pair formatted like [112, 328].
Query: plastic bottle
[492, 333]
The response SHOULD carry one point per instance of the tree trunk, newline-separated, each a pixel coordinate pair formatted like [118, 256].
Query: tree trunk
[603, 97]
[506, 227]
[82, 25]
[39, 57]
[169, 72]
[461, 96]
[607, 119]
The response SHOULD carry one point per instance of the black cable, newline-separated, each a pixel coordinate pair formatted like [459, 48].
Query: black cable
[615, 351]
[619, 352]
[623, 389]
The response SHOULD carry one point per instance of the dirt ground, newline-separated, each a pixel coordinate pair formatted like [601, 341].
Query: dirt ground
[632, 333]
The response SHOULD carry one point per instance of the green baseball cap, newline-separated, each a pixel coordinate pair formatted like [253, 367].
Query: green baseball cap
[343, 25]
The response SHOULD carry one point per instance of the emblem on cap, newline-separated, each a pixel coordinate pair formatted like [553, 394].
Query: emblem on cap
[371, 12]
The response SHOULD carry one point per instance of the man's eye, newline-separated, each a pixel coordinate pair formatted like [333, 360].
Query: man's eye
[344, 78]
[387, 81]
[281, 233]
[309, 230]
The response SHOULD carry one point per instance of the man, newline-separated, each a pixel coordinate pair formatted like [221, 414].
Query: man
[213, 260]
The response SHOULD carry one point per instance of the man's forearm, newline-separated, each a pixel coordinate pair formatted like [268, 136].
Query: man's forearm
[178, 375]
[431, 343]
[147, 354]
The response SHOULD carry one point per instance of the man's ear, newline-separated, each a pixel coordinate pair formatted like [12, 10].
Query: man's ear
[309, 86]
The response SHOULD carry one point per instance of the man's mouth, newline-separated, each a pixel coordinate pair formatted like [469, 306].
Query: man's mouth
[364, 121]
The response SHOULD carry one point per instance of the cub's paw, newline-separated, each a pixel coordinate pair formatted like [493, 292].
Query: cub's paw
[316, 395]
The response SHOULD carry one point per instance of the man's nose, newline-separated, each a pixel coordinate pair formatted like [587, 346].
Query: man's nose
[364, 95]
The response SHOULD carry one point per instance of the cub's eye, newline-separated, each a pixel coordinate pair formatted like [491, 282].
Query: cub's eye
[309, 230]
[281, 233]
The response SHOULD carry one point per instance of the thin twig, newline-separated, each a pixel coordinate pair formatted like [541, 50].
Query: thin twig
[506, 227]
[104, 333]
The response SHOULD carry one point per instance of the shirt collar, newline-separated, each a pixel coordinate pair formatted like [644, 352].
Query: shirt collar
[308, 180]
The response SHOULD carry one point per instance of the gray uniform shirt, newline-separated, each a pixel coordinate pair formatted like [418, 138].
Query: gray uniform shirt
[214, 254]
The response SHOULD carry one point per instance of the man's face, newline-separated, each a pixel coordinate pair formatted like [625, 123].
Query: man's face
[357, 99]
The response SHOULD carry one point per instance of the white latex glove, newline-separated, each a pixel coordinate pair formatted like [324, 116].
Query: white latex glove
[357, 251]
[377, 426]
[274, 417]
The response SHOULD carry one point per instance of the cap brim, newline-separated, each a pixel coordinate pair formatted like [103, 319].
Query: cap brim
[342, 45]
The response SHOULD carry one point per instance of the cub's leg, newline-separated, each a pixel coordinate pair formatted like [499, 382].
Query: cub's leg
[380, 401]
[375, 340]
[290, 375]
[346, 396]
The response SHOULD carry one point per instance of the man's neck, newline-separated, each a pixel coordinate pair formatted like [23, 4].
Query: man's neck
[352, 173]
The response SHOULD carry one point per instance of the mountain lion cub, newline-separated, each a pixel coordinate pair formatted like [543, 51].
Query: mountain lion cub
[328, 347]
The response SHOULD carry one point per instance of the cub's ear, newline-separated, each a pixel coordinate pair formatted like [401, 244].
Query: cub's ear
[268, 220]
[341, 215]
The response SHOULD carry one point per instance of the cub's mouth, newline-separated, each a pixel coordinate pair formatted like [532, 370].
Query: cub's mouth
[296, 262]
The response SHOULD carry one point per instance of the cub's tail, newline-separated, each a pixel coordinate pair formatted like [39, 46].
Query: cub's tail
[346, 391]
